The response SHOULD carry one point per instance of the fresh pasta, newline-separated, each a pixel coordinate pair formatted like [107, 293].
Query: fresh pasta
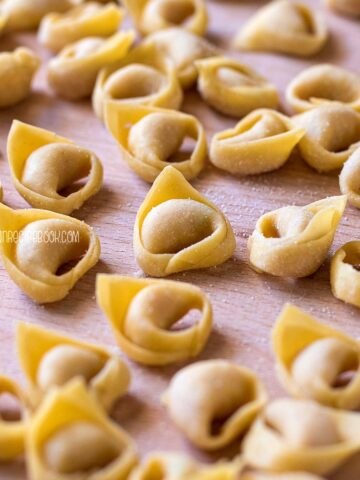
[162, 242]
[294, 241]
[345, 273]
[347, 7]
[350, 178]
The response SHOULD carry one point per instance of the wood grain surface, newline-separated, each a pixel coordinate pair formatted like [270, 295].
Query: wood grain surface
[245, 303]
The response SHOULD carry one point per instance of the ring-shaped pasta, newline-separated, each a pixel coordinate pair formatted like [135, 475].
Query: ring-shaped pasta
[345, 273]
[212, 414]
[90, 19]
[152, 15]
[256, 475]
[170, 206]
[285, 27]
[71, 437]
[37, 246]
[151, 138]
[294, 241]
[261, 142]
[349, 178]
[72, 73]
[43, 166]
[315, 361]
[323, 83]
[332, 135]
[142, 312]
[346, 7]
[50, 360]
[143, 77]
[233, 88]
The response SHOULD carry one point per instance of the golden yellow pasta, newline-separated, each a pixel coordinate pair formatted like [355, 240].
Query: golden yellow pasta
[143, 311]
[46, 167]
[152, 138]
[163, 243]
[350, 178]
[152, 15]
[70, 436]
[233, 88]
[91, 19]
[332, 134]
[17, 70]
[51, 359]
[323, 83]
[261, 142]
[212, 413]
[347, 7]
[39, 249]
[143, 77]
[169, 465]
[72, 73]
[256, 475]
[345, 273]
[294, 241]
[285, 27]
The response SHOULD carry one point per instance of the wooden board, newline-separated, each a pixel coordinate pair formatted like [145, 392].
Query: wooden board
[245, 303]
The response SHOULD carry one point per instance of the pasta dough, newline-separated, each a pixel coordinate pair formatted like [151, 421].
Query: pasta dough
[345, 274]
[142, 313]
[71, 437]
[211, 414]
[57, 30]
[316, 362]
[294, 241]
[347, 7]
[233, 88]
[163, 243]
[332, 134]
[46, 167]
[323, 83]
[50, 360]
[350, 178]
[261, 142]
[285, 27]
[72, 74]
[151, 139]
[39, 249]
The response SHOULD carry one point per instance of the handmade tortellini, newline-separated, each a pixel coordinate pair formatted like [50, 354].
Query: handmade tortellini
[285, 27]
[142, 313]
[152, 15]
[261, 142]
[332, 134]
[72, 74]
[315, 361]
[345, 273]
[91, 19]
[152, 138]
[233, 88]
[294, 241]
[51, 359]
[213, 402]
[45, 169]
[39, 249]
[323, 83]
[143, 77]
[70, 436]
[347, 7]
[17, 70]
[164, 243]
[350, 178]
[256, 475]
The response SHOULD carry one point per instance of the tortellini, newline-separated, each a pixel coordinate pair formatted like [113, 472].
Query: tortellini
[296, 435]
[214, 402]
[51, 359]
[332, 134]
[261, 142]
[143, 77]
[142, 313]
[255, 475]
[46, 167]
[91, 19]
[72, 73]
[70, 436]
[152, 138]
[347, 7]
[233, 88]
[17, 70]
[46, 253]
[316, 362]
[345, 273]
[323, 83]
[350, 178]
[164, 243]
[294, 241]
[285, 27]
[152, 15]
